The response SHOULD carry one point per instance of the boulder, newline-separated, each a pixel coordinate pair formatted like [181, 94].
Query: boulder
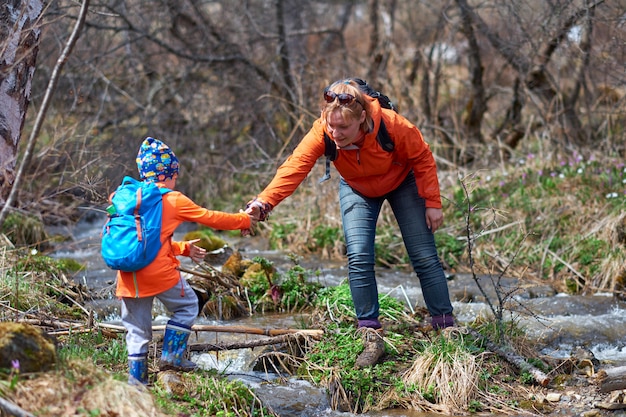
[30, 345]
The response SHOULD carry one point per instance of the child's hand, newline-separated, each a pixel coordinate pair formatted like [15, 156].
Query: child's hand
[254, 219]
[196, 253]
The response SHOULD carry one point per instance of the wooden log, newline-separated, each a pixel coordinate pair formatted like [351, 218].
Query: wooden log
[216, 347]
[315, 333]
[612, 379]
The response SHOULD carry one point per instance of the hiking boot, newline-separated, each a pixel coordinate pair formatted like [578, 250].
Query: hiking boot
[374, 347]
[441, 322]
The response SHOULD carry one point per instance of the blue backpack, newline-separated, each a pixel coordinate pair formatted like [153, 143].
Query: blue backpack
[131, 236]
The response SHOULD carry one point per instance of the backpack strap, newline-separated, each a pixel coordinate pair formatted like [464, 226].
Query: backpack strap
[137, 216]
[330, 152]
[384, 140]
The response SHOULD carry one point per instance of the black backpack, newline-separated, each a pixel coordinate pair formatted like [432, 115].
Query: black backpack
[385, 141]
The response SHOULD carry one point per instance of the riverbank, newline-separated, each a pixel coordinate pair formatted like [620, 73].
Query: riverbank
[501, 387]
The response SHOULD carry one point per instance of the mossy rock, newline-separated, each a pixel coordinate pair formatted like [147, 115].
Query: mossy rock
[236, 265]
[208, 240]
[31, 346]
[253, 275]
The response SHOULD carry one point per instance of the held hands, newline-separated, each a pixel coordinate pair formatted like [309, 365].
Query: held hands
[196, 253]
[258, 211]
[434, 218]
[254, 219]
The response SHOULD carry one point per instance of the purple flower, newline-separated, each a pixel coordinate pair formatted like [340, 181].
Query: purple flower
[15, 364]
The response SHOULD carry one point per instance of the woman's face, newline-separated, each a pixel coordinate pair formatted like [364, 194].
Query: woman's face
[344, 131]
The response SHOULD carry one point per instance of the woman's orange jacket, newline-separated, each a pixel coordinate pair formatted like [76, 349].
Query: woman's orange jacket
[162, 274]
[370, 170]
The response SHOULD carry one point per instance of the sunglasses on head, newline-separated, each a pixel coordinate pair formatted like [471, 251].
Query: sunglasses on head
[343, 98]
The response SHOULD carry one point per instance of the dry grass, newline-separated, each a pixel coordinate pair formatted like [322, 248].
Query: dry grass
[83, 389]
[448, 377]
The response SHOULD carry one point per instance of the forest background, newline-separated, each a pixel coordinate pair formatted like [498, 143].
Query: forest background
[522, 103]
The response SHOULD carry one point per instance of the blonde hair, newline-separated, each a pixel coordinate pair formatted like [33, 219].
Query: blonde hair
[350, 111]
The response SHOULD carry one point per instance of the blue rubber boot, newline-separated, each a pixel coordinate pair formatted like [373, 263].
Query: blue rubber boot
[138, 369]
[174, 348]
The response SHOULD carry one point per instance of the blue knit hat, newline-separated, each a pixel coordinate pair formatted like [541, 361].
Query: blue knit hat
[156, 161]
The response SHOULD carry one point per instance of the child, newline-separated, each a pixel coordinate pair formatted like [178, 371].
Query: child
[161, 278]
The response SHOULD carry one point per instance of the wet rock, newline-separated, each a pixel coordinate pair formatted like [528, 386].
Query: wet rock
[219, 256]
[172, 383]
[32, 347]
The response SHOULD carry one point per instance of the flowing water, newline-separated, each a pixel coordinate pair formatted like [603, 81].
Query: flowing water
[558, 323]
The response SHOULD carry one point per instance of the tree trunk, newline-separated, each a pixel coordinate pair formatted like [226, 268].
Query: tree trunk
[381, 14]
[477, 104]
[20, 32]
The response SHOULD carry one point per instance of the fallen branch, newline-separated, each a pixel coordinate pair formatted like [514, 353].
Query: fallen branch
[211, 347]
[12, 409]
[570, 267]
[233, 329]
[255, 330]
[513, 358]
[208, 276]
[55, 324]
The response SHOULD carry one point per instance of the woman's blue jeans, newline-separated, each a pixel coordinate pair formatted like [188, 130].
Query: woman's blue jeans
[359, 216]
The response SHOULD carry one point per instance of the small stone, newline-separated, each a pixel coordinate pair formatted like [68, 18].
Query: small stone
[172, 383]
[553, 397]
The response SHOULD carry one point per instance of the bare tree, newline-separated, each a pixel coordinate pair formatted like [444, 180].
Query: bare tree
[32, 139]
[234, 84]
[557, 100]
[20, 31]
[477, 104]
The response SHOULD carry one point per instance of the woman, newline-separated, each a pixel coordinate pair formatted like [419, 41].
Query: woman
[405, 177]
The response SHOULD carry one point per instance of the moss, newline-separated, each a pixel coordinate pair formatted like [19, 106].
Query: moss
[27, 344]
[236, 265]
[207, 241]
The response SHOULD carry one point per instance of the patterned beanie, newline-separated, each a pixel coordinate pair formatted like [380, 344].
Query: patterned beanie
[156, 161]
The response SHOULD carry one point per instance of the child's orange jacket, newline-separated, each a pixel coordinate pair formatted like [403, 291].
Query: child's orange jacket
[162, 274]
[370, 170]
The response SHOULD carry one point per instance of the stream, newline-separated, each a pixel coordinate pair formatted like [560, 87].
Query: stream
[558, 323]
